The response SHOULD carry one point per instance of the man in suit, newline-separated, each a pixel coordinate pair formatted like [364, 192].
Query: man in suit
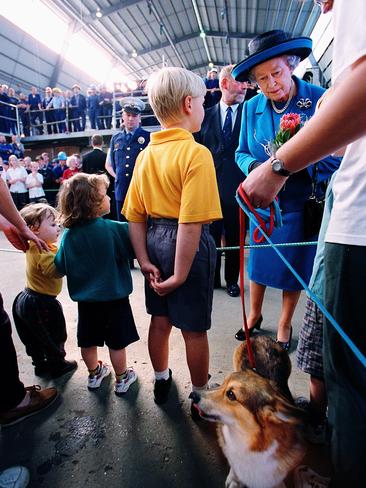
[125, 146]
[78, 104]
[94, 161]
[220, 134]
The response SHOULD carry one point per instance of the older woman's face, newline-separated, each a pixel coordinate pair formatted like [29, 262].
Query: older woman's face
[274, 79]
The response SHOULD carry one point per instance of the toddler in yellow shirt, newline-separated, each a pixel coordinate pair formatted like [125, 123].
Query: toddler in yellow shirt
[174, 189]
[38, 315]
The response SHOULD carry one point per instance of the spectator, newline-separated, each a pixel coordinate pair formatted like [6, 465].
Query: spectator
[17, 147]
[213, 93]
[5, 149]
[93, 107]
[49, 184]
[78, 160]
[94, 161]
[35, 110]
[70, 111]
[78, 103]
[106, 105]
[60, 167]
[50, 113]
[4, 109]
[16, 177]
[26, 162]
[72, 168]
[23, 109]
[13, 125]
[58, 104]
[34, 184]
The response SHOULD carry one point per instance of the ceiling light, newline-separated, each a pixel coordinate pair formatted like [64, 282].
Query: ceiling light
[210, 65]
[98, 13]
[134, 53]
[202, 34]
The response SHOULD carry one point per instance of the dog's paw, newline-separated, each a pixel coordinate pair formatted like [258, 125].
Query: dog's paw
[231, 481]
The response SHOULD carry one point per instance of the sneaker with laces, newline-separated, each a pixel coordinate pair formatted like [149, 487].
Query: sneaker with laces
[121, 387]
[161, 389]
[96, 380]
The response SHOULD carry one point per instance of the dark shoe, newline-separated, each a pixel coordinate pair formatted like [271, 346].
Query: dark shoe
[240, 335]
[233, 290]
[286, 345]
[42, 369]
[39, 400]
[194, 412]
[161, 389]
[59, 369]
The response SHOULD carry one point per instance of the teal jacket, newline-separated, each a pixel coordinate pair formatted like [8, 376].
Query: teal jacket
[94, 257]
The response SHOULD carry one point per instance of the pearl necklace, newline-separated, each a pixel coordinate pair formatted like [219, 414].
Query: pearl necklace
[281, 110]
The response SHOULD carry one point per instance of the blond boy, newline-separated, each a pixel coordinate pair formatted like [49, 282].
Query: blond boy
[174, 184]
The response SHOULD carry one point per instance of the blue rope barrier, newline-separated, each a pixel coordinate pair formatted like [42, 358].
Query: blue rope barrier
[331, 319]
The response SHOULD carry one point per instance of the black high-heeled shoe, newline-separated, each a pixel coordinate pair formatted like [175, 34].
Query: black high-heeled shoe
[286, 345]
[240, 335]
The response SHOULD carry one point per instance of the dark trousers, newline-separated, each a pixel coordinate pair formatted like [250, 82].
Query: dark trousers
[60, 119]
[107, 116]
[37, 120]
[93, 118]
[50, 118]
[41, 326]
[13, 389]
[229, 226]
[24, 117]
[345, 376]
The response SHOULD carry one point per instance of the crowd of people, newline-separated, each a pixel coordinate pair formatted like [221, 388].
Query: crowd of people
[57, 112]
[168, 218]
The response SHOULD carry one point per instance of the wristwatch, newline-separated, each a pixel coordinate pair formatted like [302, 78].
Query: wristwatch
[278, 167]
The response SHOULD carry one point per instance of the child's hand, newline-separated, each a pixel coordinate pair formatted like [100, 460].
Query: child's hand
[163, 288]
[151, 272]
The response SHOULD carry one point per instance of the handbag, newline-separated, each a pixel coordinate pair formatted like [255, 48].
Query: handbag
[313, 209]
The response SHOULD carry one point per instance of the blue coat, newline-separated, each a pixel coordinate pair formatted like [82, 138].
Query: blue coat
[259, 126]
[123, 157]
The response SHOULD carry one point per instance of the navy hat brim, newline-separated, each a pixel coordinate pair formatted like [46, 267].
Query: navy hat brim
[300, 46]
[131, 110]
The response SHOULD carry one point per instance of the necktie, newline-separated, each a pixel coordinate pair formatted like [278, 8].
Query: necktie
[128, 137]
[227, 128]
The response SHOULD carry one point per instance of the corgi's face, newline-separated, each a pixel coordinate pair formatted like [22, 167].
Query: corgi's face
[248, 401]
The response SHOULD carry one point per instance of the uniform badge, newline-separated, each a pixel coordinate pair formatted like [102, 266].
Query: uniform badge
[141, 140]
[116, 146]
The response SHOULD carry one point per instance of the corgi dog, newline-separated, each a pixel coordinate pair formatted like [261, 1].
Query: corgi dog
[259, 428]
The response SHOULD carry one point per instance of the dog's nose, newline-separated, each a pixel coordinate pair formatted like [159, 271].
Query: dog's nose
[195, 397]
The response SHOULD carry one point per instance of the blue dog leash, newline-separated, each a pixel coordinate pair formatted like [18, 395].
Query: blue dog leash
[331, 319]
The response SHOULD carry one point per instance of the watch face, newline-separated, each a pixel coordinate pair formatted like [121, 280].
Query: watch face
[276, 165]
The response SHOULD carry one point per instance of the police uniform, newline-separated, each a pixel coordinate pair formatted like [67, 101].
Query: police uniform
[93, 109]
[78, 103]
[124, 149]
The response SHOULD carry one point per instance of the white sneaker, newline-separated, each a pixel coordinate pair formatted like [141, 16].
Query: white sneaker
[121, 387]
[96, 380]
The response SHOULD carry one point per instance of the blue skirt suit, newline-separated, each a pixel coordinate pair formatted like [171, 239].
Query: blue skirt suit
[259, 125]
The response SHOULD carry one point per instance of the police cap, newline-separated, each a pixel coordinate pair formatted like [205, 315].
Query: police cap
[132, 105]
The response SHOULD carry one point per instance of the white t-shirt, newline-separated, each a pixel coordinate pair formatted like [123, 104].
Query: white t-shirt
[37, 191]
[14, 174]
[348, 219]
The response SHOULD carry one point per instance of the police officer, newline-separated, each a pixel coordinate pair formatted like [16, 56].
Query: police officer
[93, 106]
[125, 146]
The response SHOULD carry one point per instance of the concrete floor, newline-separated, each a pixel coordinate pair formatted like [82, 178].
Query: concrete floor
[96, 439]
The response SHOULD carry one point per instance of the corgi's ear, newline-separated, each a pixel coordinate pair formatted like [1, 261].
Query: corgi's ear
[282, 411]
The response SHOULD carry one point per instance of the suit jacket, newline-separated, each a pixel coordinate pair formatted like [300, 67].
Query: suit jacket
[228, 173]
[94, 162]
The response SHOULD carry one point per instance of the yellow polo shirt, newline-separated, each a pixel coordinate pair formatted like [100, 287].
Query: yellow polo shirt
[174, 177]
[41, 272]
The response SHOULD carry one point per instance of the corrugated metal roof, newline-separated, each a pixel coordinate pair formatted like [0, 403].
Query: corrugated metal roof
[170, 29]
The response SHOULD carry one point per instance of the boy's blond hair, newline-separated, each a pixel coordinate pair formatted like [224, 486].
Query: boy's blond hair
[79, 198]
[167, 89]
[35, 213]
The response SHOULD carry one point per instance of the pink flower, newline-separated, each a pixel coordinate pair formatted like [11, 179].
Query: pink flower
[290, 122]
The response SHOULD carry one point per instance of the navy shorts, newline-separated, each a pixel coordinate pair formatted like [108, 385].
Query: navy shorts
[110, 323]
[189, 306]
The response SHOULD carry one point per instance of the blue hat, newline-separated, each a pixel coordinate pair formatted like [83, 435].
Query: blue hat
[132, 105]
[268, 46]
[61, 155]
